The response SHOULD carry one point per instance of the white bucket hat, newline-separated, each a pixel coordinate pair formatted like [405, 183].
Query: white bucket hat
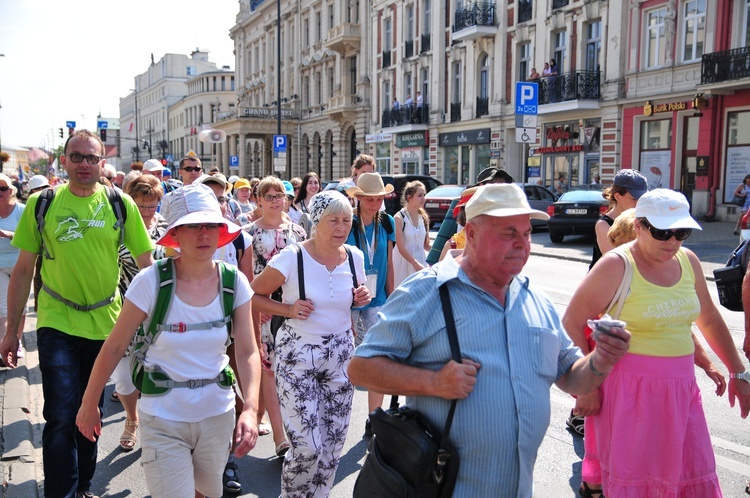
[501, 200]
[196, 203]
[665, 209]
[38, 181]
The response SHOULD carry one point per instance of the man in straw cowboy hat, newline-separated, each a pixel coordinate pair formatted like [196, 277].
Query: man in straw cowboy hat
[513, 345]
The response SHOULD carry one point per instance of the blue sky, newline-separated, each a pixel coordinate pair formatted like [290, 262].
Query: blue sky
[72, 60]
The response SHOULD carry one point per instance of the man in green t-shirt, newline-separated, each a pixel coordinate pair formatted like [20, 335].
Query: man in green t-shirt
[78, 305]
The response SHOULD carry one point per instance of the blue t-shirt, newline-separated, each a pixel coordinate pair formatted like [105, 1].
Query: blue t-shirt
[379, 262]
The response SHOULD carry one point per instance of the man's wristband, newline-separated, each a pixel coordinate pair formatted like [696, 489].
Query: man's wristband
[593, 368]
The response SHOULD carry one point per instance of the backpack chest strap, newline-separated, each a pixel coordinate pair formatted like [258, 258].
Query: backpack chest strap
[185, 327]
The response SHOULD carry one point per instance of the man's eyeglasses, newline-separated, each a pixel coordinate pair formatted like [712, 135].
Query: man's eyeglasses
[147, 208]
[271, 198]
[201, 226]
[192, 169]
[4, 189]
[659, 234]
[91, 158]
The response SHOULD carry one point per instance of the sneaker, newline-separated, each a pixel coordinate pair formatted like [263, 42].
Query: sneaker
[85, 494]
[575, 423]
[368, 428]
[231, 479]
[20, 353]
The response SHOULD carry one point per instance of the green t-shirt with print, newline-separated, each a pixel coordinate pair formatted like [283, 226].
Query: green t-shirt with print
[80, 236]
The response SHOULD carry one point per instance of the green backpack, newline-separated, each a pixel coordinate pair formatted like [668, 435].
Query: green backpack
[152, 380]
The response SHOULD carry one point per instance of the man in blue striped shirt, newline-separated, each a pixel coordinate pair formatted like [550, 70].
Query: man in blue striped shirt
[513, 344]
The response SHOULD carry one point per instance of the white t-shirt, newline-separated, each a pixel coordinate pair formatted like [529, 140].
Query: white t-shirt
[8, 253]
[330, 292]
[196, 354]
[228, 253]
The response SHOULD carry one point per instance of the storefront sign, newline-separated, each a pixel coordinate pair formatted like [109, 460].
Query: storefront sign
[380, 137]
[410, 154]
[561, 149]
[464, 137]
[533, 172]
[413, 139]
[266, 112]
[650, 108]
[494, 153]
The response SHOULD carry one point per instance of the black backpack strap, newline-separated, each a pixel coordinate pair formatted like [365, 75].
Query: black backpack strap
[450, 325]
[300, 271]
[40, 211]
[120, 211]
[387, 222]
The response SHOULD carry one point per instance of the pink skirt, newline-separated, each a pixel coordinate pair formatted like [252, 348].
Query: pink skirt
[651, 437]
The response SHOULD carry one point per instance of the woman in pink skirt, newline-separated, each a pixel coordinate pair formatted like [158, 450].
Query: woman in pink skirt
[652, 437]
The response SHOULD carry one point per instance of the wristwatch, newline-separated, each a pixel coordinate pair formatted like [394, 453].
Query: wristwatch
[742, 376]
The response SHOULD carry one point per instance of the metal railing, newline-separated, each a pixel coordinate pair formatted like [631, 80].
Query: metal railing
[726, 65]
[424, 46]
[405, 115]
[483, 106]
[386, 58]
[476, 14]
[408, 48]
[455, 112]
[525, 10]
[576, 85]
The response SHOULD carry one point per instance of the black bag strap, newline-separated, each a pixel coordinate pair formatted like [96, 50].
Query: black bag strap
[450, 325]
[300, 271]
[351, 266]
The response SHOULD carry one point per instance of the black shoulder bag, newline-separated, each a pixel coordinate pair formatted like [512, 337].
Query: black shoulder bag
[407, 457]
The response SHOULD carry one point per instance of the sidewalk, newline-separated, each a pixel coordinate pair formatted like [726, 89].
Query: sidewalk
[21, 388]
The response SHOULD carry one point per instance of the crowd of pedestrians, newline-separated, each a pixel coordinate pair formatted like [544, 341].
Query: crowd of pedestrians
[235, 308]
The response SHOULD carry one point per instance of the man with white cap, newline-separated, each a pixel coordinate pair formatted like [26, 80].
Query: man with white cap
[513, 345]
[154, 167]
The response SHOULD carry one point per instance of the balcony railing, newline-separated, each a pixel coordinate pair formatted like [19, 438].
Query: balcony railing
[576, 85]
[525, 9]
[386, 58]
[408, 48]
[483, 106]
[477, 14]
[425, 45]
[726, 65]
[405, 115]
[559, 4]
[455, 112]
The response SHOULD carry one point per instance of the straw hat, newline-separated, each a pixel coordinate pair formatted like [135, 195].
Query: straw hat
[369, 185]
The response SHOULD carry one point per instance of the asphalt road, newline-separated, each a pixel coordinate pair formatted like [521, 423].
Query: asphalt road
[557, 472]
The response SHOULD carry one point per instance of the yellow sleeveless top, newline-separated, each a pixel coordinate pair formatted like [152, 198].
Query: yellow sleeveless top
[660, 318]
[459, 239]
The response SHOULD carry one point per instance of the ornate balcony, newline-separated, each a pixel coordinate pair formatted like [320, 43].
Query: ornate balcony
[424, 46]
[525, 10]
[386, 59]
[483, 106]
[342, 107]
[406, 115]
[474, 21]
[408, 48]
[455, 112]
[726, 65]
[343, 38]
[576, 85]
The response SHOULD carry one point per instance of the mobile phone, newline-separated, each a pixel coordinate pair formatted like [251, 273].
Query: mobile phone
[604, 324]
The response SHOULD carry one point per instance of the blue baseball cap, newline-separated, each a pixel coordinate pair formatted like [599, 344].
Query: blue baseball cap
[288, 188]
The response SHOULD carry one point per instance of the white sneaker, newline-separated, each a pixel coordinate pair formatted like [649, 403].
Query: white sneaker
[20, 353]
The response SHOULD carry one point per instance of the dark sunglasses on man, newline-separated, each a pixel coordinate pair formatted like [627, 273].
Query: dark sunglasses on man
[192, 169]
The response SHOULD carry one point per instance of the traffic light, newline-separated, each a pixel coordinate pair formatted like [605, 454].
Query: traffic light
[103, 133]
[61, 133]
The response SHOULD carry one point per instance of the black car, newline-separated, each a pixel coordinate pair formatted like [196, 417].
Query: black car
[540, 198]
[575, 213]
[393, 200]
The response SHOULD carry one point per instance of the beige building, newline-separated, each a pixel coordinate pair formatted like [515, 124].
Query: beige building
[18, 158]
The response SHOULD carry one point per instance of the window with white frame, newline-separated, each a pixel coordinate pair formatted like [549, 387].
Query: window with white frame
[593, 45]
[330, 16]
[746, 38]
[409, 28]
[318, 88]
[318, 27]
[560, 47]
[655, 38]
[524, 61]
[306, 30]
[694, 30]
[428, 17]
[353, 75]
[456, 83]
[484, 76]
[407, 85]
[306, 92]
[425, 84]
[386, 94]
[387, 35]
[330, 82]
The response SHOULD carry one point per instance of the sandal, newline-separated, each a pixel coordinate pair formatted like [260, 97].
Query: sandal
[264, 429]
[230, 478]
[114, 397]
[282, 448]
[129, 437]
[575, 423]
[586, 492]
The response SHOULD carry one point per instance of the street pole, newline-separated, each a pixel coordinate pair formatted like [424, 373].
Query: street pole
[278, 67]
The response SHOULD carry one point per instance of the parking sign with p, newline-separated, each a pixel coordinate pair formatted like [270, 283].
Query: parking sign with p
[527, 97]
[279, 143]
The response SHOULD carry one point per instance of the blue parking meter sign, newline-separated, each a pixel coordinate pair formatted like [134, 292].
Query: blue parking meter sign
[527, 97]
[279, 143]
[234, 160]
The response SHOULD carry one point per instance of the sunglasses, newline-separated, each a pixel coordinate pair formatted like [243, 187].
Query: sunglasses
[91, 158]
[659, 234]
[4, 189]
[192, 169]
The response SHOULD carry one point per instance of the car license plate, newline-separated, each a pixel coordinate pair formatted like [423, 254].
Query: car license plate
[432, 205]
[576, 211]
